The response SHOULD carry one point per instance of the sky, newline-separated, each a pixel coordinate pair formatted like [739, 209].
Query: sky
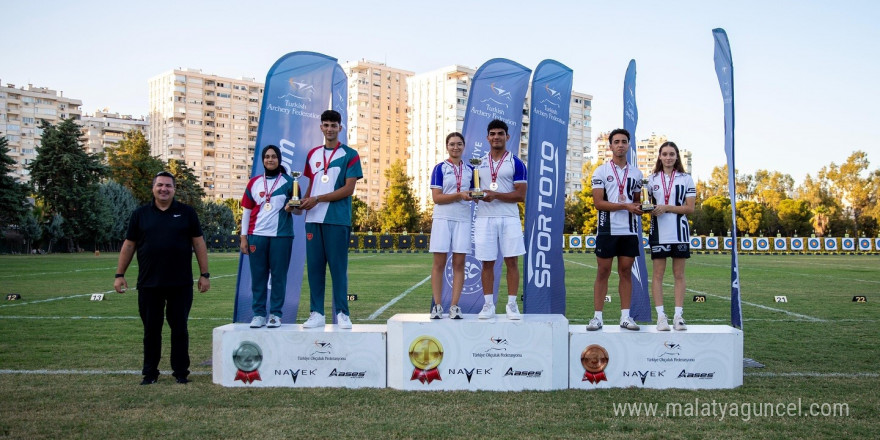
[805, 71]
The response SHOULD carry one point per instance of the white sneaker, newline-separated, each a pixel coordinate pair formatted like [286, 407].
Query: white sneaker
[678, 323]
[315, 320]
[513, 312]
[629, 324]
[258, 321]
[454, 312]
[274, 321]
[488, 311]
[437, 311]
[662, 323]
[595, 324]
[342, 321]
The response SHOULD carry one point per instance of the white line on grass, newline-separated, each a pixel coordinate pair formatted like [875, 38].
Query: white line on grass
[580, 264]
[396, 299]
[80, 295]
[56, 273]
[760, 306]
[806, 274]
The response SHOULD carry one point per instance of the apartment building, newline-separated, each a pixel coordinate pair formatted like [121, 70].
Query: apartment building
[105, 129]
[21, 110]
[210, 122]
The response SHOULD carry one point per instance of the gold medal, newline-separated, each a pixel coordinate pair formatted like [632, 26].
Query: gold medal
[425, 353]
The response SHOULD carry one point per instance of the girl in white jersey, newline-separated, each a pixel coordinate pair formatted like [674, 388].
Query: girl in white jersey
[673, 193]
[451, 228]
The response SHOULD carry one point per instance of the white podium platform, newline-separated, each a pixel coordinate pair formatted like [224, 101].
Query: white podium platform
[290, 356]
[474, 354]
[703, 356]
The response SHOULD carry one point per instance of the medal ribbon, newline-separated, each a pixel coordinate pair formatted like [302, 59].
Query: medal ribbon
[247, 377]
[425, 376]
[594, 378]
[617, 177]
[667, 191]
[324, 153]
[458, 173]
[267, 190]
[494, 171]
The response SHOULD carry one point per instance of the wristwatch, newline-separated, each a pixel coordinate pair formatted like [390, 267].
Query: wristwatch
[206, 275]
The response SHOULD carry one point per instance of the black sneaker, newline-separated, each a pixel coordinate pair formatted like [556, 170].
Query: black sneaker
[149, 380]
[183, 380]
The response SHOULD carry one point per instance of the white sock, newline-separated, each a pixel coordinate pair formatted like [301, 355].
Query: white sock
[679, 311]
[598, 315]
[489, 299]
[624, 313]
[511, 299]
[660, 310]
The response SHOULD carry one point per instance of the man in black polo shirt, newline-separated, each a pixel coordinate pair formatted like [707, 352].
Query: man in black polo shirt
[164, 233]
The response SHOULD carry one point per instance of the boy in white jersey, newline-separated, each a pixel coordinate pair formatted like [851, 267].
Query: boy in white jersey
[674, 195]
[497, 220]
[617, 189]
[333, 169]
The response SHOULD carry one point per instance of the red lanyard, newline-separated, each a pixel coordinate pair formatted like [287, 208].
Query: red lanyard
[617, 177]
[494, 171]
[324, 153]
[666, 190]
[457, 173]
[269, 192]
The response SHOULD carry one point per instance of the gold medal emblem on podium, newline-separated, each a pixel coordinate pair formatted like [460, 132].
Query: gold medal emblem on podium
[425, 353]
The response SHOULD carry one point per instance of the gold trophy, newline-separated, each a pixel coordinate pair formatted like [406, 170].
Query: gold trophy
[295, 200]
[477, 193]
[647, 206]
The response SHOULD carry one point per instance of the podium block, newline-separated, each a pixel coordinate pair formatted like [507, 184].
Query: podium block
[474, 354]
[290, 356]
[702, 357]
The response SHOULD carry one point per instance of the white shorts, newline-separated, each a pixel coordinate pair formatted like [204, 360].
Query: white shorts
[490, 233]
[450, 236]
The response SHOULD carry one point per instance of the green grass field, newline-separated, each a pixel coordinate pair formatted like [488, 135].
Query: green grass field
[69, 367]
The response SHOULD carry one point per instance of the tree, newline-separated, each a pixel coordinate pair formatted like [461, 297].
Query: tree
[400, 211]
[66, 178]
[794, 216]
[363, 217]
[771, 187]
[13, 194]
[853, 184]
[54, 230]
[234, 206]
[585, 219]
[186, 185]
[716, 215]
[217, 222]
[749, 216]
[132, 166]
[123, 204]
[717, 185]
[30, 229]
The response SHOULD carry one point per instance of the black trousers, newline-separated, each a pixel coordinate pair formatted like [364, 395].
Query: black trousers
[155, 304]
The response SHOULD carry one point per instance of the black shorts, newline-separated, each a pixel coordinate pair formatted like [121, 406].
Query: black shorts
[674, 250]
[610, 246]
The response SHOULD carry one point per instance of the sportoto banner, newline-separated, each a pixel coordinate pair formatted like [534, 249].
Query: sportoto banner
[498, 91]
[544, 278]
[298, 89]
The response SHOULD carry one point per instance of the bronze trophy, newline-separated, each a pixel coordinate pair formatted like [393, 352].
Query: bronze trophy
[294, 199]
[647, 206]
[477, 193]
